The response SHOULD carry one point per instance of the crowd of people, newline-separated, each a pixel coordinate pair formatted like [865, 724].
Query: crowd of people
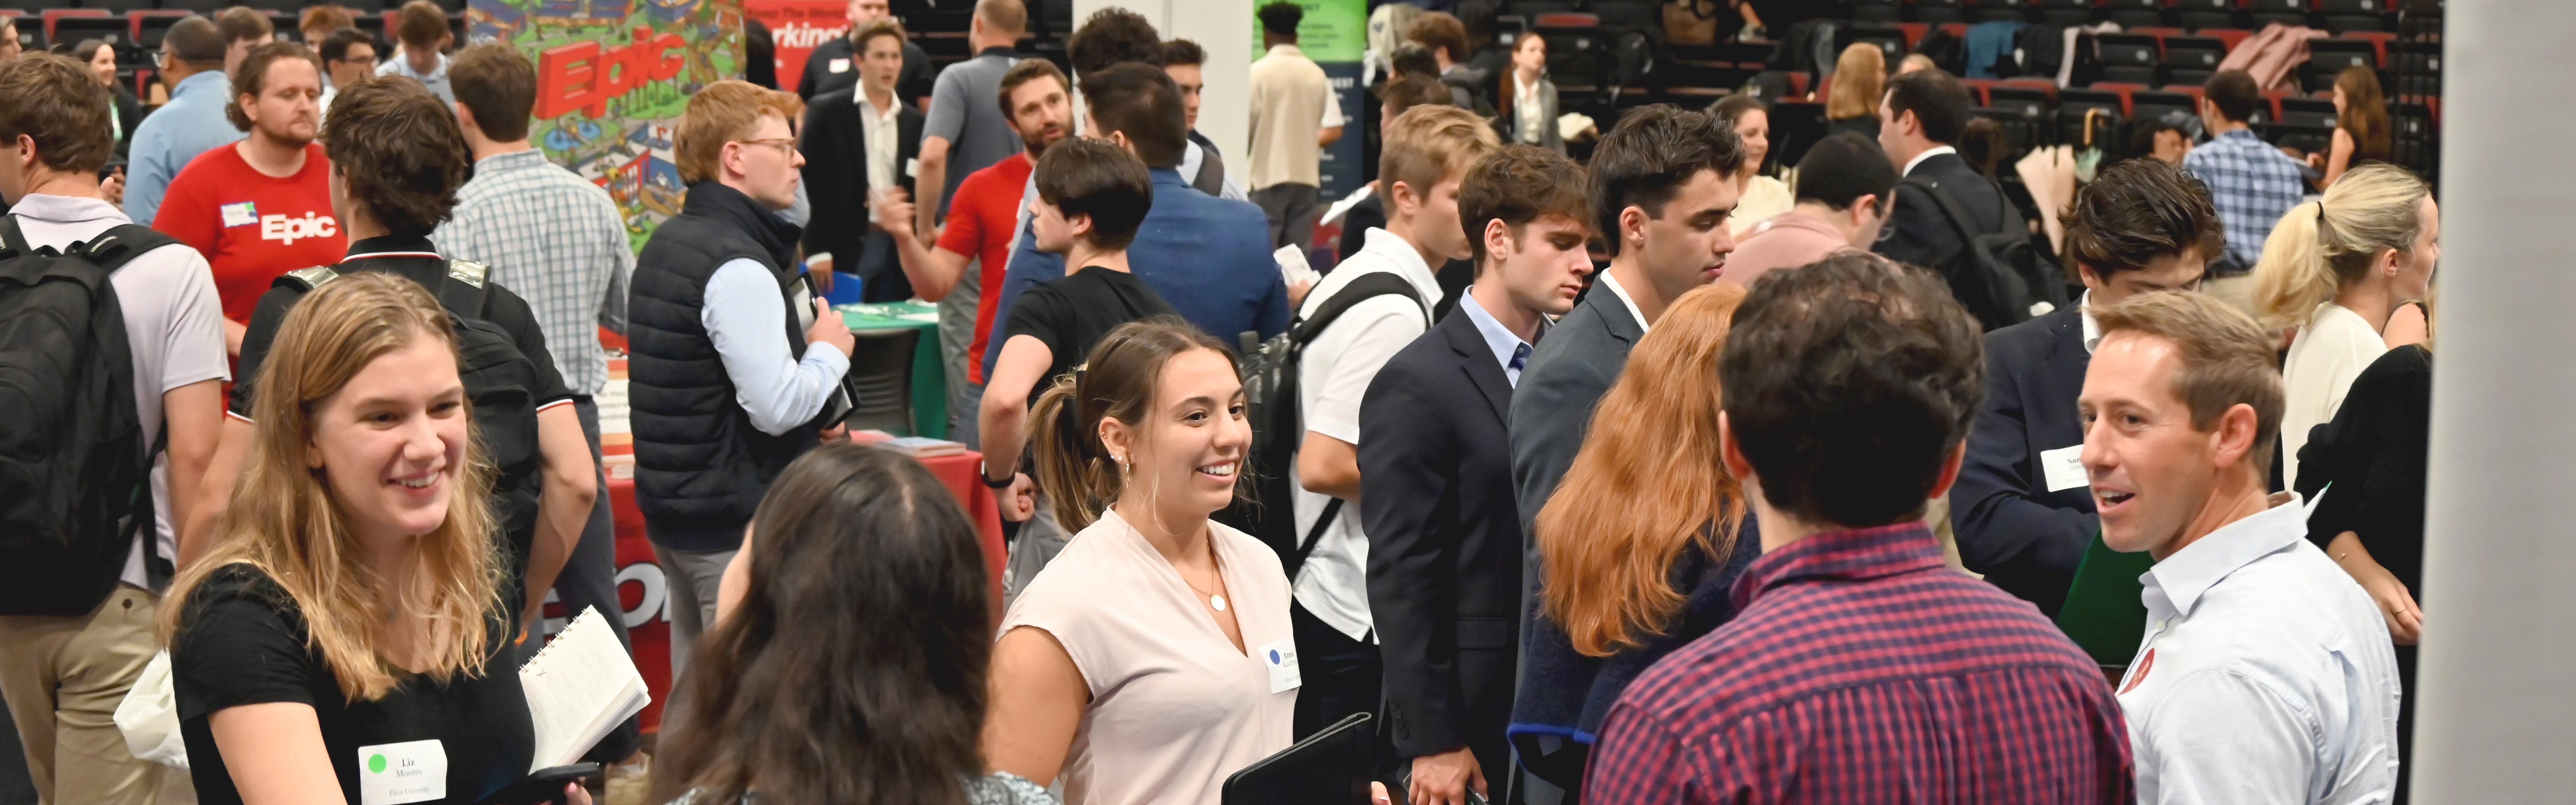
[1676, 474]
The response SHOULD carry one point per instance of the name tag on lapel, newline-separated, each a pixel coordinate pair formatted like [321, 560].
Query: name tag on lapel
[2063, 468]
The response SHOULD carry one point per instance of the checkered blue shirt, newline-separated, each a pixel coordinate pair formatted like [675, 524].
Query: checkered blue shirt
[557, 241]
[2252, 183]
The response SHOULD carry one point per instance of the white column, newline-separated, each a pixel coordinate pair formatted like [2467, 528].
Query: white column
[1224, 28]
[2496, 708]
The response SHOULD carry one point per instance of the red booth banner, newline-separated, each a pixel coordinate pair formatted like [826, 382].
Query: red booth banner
[797, 27]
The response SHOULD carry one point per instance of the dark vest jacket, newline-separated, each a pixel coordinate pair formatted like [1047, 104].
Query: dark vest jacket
[700, 466]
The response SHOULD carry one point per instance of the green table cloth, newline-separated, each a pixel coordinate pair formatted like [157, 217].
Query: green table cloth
[929, 379]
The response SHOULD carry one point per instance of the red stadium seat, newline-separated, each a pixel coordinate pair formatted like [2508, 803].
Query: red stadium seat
[53, 15]
[1979, 90]
[1914, 32]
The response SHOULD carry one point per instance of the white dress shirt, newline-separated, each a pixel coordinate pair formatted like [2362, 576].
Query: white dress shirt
[2266, 674]
[881, 135]
[1612, 283]
[1528, 112]
[1331, 378]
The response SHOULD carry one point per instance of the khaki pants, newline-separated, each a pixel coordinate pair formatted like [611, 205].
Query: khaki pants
[63, 676]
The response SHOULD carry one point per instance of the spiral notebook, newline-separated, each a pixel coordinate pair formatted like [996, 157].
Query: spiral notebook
[580, 686]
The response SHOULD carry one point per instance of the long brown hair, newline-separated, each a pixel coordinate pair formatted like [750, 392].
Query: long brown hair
[854, 669]
[2365, 113]
[1860, 76]
[283, 521]
[1646, 482]
[1119, 379]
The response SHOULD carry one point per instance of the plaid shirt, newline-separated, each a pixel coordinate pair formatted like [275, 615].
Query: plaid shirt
[1861, 670]
[557, 241]
[2252, 183]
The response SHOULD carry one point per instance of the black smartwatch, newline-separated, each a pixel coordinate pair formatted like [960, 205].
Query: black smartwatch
[985, 472]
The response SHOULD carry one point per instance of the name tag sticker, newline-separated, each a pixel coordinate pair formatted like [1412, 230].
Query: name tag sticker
[912, 168]
[2063, 467]
[838, 65]
[393, 774]
[1281, 659]
[240, 214]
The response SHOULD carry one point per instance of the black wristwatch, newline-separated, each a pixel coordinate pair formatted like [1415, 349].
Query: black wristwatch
[986, 473]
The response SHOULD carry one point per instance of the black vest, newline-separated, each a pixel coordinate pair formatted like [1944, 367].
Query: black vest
[700, 466]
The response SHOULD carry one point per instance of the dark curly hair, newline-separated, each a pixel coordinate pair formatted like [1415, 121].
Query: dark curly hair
[399, 150]
[251, 78]
[1111, 36]
[1848, 382]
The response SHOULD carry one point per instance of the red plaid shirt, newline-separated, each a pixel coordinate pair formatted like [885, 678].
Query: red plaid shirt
[1862, 671]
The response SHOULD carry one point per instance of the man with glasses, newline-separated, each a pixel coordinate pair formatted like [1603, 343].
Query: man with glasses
[191, 64]
[735, 365]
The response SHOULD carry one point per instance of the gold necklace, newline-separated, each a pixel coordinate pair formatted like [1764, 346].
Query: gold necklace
[1215, 601]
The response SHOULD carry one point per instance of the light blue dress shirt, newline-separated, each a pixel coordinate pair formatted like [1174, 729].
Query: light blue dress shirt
[1509, 350]
[164, 143]
[748, 325]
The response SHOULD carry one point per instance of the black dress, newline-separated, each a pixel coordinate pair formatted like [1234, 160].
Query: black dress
[2373, 455]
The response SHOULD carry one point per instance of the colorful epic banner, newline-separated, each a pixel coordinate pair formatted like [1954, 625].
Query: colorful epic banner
[799, 26]
[612, 79]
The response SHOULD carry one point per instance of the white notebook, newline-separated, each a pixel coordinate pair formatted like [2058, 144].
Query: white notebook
[580, 686]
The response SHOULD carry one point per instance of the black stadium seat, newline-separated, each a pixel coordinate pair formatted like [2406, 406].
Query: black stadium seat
[112, 29]
[2190, 59]
[117, 6]
[2129, 58]
[2145, 104]
[2135, 13]
[2028, 102]
[1935, 12]
[2285, 12]
[2198, 14]
[206, 7]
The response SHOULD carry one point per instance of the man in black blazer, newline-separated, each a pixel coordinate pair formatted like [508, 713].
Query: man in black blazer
[836, 141]
[2022, 510]
[1444, 572]
[1919, 120]
[834, 65]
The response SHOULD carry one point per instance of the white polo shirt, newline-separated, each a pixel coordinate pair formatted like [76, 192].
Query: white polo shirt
[1331, 378]
[2266, 674]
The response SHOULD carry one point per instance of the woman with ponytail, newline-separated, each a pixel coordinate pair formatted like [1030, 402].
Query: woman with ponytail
[2335, 270]
[1138, 665]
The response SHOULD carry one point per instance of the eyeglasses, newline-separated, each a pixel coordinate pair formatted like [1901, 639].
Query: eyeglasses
[786, 145]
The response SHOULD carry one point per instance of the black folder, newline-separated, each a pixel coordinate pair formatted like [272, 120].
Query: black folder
[1328, 768]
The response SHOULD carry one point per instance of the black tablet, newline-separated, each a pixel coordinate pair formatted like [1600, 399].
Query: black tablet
[1328, 768]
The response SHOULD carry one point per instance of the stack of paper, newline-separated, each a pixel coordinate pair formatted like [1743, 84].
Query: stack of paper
[579, 687]
[923, 446]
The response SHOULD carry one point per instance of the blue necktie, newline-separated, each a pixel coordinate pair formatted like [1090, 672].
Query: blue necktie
[1520, 358]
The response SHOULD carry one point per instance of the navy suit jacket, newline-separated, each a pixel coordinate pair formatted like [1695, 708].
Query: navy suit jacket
[1444, 575]
[2024, 538]
[1208, 256]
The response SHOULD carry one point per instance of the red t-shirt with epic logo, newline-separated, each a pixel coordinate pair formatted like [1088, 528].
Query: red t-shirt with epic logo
[251, 226]
[982, 221]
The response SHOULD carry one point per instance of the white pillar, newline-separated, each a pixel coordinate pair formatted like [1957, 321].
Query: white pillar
[2496, 707]
[1224, 28]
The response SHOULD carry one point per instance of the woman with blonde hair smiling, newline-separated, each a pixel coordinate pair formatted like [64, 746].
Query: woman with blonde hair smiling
[354, 609]
[1639, 543]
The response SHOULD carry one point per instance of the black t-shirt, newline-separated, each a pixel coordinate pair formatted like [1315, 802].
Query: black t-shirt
[1071, 315]
[242, 641]
[502, 308]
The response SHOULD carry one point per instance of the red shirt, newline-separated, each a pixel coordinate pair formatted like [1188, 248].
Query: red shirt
[1860, 671]
[251, 226]
[982, 220]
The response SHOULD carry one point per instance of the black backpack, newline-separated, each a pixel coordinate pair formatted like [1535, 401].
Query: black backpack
[1270, 387]
[499, 379]
[75, 477]
[2000, 276]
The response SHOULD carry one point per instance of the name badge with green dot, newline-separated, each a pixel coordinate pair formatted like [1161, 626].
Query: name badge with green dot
[394, 774]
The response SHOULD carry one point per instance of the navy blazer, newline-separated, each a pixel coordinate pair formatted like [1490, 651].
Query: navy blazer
[1208, 256]
[2024, 538]
[1917, 232]
[834, 142]
[1444, 563]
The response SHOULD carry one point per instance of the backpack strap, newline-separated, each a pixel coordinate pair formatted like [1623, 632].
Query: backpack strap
[1314, 534]
[1363, 288]
[1950, 209]
[120, 244]
[1211, 176]
[12, 242]
[462, 293]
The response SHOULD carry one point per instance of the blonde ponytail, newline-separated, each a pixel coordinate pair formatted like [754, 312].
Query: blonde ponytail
[1069, 458]
[2320, 245]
